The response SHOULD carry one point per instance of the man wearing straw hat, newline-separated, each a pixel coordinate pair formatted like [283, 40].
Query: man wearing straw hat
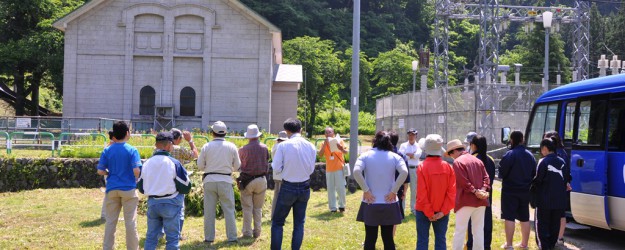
[252, 182]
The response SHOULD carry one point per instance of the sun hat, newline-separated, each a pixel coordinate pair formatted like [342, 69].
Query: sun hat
[252, 132]
[432, 145]
[282, 136]
[453, 145]
[219, 128]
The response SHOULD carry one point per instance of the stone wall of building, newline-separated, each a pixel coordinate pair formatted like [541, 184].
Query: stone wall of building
[121, 46]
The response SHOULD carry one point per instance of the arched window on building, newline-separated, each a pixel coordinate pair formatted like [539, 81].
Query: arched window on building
[187, 102]
[147, 97]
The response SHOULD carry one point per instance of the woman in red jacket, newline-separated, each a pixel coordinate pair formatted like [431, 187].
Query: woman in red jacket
[436, 193]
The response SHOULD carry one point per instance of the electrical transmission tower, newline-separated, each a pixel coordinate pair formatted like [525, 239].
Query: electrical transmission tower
[494, 18]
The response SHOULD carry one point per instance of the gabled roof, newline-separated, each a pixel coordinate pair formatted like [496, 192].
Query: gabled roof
[61, 24]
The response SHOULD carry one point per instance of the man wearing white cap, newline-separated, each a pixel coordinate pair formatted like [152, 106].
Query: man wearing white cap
[252, 182]
[218, 159]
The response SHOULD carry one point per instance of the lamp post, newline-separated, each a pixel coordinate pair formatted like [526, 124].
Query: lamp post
[415, 65]
[547, 18]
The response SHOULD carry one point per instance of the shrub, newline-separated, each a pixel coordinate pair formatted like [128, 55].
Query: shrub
[339, 118]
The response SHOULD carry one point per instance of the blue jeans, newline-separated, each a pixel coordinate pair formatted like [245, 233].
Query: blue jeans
[163, 213]
[423, 232]
[292, 195]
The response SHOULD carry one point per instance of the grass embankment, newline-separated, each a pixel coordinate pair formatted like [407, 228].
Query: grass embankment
[69, 219]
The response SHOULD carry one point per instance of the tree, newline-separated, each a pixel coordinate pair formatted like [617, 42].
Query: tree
[30, 49]
[392, 70]
[530, 52]
[322, 68]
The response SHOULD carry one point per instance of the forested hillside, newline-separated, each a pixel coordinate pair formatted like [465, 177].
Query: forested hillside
[318, 35]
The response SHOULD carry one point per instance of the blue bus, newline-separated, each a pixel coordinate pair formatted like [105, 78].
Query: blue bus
[590, 117]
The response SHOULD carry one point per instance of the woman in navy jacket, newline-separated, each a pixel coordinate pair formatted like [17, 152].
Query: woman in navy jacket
[550, 191]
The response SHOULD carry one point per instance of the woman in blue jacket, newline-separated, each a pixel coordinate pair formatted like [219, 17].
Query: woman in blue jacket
[561, 152]
[549, 187]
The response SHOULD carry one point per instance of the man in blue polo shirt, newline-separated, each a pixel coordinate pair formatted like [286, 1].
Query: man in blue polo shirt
[121, 162]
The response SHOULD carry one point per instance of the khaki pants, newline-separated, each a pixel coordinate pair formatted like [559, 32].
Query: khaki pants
[252, 200]
[115, 201]
[223, 193]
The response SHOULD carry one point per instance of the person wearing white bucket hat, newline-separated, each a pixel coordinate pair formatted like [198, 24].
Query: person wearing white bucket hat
[436, 194]
[252, 181]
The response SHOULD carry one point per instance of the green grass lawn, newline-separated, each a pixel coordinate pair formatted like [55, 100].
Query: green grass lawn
[69, 219]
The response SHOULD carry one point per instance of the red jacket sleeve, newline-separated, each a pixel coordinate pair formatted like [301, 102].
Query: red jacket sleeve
[450, 197]
[423, 197]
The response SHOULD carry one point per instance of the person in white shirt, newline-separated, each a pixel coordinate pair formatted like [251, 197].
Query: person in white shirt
[413, 153]
[218, 159]
[294, 159]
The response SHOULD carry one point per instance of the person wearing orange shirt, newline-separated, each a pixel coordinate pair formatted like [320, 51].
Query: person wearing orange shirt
[335, 178]
[436, 194]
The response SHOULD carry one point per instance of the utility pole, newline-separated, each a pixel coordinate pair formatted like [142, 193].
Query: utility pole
[353, 127]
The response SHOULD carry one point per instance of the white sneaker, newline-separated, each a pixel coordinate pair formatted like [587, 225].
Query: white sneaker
[560, 242]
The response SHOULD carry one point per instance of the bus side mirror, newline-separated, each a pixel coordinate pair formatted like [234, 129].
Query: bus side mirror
[505, 135]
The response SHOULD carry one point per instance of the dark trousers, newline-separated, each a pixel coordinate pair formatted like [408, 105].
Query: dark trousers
[547, 227]
[371, 236]
[488, 226]
[292, 195]
[423, 232]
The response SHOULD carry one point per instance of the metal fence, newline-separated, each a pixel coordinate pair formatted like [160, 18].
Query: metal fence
[454, 111]
[55, 125]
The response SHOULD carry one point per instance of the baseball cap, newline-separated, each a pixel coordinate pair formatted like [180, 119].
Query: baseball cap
[412, 131]
[164, 136]
[219, 128]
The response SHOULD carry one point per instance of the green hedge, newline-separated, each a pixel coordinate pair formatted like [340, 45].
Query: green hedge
[24, 174]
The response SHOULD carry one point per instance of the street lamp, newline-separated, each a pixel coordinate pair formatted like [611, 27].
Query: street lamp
[547, 18]
[415, 65]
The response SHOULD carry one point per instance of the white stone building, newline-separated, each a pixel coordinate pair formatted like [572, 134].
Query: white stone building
[190, 62]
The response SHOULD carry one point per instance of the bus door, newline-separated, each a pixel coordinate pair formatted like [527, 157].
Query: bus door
[589, 165]
[616, 161]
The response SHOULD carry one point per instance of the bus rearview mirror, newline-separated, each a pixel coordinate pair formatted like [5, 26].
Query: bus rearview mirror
[505, 135]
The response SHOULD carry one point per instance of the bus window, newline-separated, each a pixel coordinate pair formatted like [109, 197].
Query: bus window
[591, 123]
[569, 121]
[544, 120]
[616, 120]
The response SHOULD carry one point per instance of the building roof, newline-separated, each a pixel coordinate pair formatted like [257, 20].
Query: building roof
[288, 73]
[595, 86]
[61, 23]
